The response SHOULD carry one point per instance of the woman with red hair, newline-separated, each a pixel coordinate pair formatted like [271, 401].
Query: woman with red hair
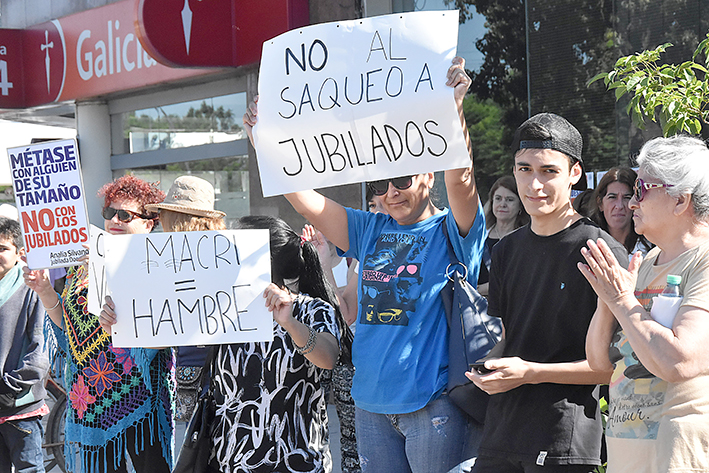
[120, 400]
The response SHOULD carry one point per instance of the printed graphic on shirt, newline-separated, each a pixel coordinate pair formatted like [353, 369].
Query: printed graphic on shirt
[636, 394]
[391, 279]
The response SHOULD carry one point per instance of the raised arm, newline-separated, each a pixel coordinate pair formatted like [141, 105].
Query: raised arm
[326, 215]
[347, 295]
[460, 183]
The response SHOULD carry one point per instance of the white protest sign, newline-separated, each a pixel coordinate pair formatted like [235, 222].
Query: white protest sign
[358, 100]
[189, 288]
[49, 194]
[97, 270]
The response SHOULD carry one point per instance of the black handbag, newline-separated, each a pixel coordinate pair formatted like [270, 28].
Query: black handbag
[196, 448]
[472, 334]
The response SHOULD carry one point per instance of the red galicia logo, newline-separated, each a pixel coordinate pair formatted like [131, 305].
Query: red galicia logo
[45, 61]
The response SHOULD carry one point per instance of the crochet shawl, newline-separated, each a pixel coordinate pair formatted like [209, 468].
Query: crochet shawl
[109, 389]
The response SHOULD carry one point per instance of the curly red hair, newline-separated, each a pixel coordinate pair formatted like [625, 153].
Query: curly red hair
[132, 188]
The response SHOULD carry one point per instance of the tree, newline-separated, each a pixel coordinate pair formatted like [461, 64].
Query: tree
[503, 75]
[570, 41]
[492, 156]
[676, 96]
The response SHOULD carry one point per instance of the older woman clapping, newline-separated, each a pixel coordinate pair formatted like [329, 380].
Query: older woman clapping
[659, 391]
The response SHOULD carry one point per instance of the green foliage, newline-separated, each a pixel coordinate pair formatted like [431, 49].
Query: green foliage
[503, 75]
[676, 96]
[205, 118]
[492, 158]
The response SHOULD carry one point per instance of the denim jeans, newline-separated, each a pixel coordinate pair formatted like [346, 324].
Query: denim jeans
[21, 445]
[434, 439]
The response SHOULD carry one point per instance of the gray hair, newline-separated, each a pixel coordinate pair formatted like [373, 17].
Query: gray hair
[682, 161]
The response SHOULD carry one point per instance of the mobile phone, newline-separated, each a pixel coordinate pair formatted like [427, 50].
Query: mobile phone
[480, 368]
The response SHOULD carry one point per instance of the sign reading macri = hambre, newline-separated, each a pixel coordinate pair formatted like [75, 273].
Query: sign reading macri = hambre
[46, 178]
[189, 288]
[358, 100]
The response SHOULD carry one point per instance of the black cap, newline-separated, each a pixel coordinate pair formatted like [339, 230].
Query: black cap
[561, 136]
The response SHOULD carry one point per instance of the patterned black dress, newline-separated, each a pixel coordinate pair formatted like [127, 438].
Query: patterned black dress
[271, 411]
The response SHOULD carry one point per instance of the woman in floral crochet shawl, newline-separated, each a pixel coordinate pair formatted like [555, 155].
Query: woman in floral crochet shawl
[120, 400]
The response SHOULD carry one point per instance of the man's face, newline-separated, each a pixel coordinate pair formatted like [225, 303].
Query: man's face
[544, 180]
[9, 256]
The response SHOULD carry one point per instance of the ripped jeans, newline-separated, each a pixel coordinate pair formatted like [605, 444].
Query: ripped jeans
[434, 439]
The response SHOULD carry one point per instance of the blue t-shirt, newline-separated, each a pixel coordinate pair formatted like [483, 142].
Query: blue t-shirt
[400, 352]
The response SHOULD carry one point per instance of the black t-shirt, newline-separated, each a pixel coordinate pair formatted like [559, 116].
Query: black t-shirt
[546, 305]
[484, 275]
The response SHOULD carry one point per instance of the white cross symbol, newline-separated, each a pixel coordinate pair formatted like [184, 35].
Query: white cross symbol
[187, 25]
[45, 47]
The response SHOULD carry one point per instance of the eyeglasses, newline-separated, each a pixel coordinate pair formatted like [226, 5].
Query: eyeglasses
[381, 187]
[124, 216]
[640, 187]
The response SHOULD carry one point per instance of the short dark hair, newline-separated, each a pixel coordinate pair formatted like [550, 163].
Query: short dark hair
[10, 229]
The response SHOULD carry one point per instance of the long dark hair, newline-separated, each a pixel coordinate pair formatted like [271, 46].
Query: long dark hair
[626, 176]
[293, 259]
[508, 182]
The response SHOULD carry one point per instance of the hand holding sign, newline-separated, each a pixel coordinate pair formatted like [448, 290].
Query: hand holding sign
[38, 280]
[279, 302]
[107, 316]
[459, 80]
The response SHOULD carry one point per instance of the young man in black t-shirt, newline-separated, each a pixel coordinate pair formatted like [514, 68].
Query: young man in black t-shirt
[543, 413]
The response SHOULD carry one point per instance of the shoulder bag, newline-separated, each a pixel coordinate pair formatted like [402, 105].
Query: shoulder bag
[196, 448]
[472, 334]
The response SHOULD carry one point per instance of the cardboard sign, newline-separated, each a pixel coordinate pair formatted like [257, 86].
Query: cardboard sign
[358, 100]
[97, 270]
[189, 288]
[49, 194]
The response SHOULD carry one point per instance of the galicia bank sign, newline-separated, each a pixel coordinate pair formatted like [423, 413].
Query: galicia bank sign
[127, 55]
[99, 51]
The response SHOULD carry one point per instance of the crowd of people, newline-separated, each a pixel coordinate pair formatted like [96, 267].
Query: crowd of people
[574, 291]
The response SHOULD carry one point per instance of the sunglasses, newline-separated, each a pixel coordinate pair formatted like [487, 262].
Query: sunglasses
[640, 187]
[381, 187]
[124, 216]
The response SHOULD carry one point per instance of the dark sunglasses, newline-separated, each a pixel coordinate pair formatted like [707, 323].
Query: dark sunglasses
[381, 187]
[124, 216]
[640, 187]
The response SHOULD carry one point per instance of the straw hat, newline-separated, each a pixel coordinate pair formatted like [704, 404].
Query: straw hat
[189, 195]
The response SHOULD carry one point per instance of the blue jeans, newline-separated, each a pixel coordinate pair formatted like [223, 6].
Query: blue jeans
[21, 445]
[434, 439]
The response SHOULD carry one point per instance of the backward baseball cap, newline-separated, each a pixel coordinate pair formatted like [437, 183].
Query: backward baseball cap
[565, 138]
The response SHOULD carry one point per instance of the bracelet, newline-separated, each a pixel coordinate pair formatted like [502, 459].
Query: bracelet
[59, 300]
[309, 345]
